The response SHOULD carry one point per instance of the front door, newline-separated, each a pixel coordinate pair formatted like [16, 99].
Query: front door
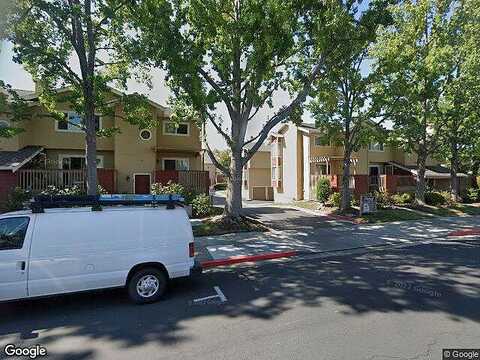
[15, 233]
[142, 184]
[374, 172]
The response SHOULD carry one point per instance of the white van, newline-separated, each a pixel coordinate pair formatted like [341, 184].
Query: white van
[63, 250]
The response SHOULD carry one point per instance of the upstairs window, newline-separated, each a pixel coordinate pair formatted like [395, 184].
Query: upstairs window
[73, 122]
[178, 129]
[375, 147]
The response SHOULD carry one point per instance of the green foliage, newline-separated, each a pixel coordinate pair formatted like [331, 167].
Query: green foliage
[202, 206]
[334, 199]
[323, 190]
[173, 188]
[220, 186]
[17, 199]
[74, 190]
[384, 199]
[473, 195]
[436, 198]
[403, 199]
[234, 54]
[224, 157]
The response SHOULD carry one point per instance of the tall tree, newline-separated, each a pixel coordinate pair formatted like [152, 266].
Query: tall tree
[459, 102]
[341, 104]
[68, 43]
[412, 64]
[236, 54]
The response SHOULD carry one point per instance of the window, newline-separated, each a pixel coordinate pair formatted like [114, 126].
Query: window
[4, 124]
[77, 162]
[145, 134]
[178, 129]
[73, 122]
[12, 232]
[322, 141]
[375, 147]
[176, 164]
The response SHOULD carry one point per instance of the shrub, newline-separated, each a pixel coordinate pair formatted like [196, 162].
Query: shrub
[74, 190]
[17, 198]
[384, 200]
[435, 198]
[334, 199]
[473, 195]
[323, 190]
[403, 199]
[220, 186]
[355, 202]
[202, 206]
[173, 188]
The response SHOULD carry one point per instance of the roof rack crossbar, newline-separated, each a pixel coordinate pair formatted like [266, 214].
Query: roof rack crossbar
[41, 202]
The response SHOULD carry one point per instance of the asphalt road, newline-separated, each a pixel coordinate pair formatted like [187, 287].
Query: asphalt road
[398, 304]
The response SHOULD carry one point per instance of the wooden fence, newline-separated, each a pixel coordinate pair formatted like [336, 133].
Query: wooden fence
[37, 180]
[196, 180]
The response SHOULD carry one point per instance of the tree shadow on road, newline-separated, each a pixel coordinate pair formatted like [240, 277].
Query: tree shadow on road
[429, 278]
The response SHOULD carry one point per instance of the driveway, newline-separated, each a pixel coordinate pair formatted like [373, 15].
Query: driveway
[285, 218]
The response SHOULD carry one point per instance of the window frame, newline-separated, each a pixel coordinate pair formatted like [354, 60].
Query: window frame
[176, 159]
[165, 132]
[150, 135]
[24, 236]
[75, 129]
[61, 157]
[371, 147]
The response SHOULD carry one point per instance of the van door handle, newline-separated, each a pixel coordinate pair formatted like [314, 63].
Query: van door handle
[21, 265]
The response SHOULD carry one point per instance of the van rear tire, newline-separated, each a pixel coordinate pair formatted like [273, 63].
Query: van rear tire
[147, 286]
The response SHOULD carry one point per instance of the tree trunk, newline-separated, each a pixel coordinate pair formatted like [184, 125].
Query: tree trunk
[420, 189]
[345, 190]
[475, 168]
[454, 184]
[91, 148]
[233, 207]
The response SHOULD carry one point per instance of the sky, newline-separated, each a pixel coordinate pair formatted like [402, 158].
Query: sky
[15, 75]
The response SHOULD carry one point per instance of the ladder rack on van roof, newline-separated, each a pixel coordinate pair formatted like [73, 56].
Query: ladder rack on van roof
[41, 202]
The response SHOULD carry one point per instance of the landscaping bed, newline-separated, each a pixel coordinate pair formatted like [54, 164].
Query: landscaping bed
[217, 225]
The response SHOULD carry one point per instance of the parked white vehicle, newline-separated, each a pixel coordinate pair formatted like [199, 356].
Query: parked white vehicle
[65, 250]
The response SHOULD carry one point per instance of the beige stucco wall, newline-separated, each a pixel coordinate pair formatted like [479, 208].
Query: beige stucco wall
[132, 155]
[258, 173]
[53, 157]
[192, 142]
[40, 130]
[194, 160]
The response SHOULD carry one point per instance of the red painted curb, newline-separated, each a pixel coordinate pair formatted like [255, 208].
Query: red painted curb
[467, 232]
[247, 258]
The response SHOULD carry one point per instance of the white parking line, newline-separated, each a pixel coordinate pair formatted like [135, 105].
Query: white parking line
[222, 297]
[219, 295]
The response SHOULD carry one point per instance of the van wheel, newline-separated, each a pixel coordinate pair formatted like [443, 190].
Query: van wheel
[147, 286]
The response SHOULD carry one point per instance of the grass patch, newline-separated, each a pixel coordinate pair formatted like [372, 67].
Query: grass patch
[218, 226]
[309, 205]
[390, 215]
[454, 210]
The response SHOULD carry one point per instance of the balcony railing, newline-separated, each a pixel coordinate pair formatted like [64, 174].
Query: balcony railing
[37, 180]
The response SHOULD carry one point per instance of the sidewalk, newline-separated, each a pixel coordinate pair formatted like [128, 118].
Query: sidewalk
[317, 240]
